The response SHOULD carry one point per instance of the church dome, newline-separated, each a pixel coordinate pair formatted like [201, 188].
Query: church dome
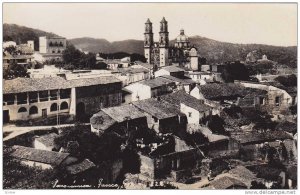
[182, 37]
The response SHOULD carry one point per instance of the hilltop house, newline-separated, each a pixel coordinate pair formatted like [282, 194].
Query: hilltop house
[277, 99]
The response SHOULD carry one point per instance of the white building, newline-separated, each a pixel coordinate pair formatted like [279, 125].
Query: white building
[170, 70]
[150, 88]
[52, 47]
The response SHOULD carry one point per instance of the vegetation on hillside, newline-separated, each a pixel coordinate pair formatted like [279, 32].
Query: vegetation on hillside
[22, 34]
[214, 51]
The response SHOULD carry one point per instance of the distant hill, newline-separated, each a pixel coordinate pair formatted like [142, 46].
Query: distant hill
[214, 51]
[104, 46]
[21, 34]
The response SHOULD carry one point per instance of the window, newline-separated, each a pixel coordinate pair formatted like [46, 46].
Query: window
[277, 101]
[9, 99]
[294, 100]
[190, 114]
[53, 107]
[155, 119]
[22, 98]
[22, 109]
[261, 100]
[64, 105]
[33, 97]
[53, 51]
[33, 110]
[43, 96]
[65, 93]
[53, 94]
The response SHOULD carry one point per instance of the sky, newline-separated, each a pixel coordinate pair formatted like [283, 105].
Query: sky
[273, 24]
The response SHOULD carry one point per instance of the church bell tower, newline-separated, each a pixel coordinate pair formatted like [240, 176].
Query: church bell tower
[148, 42]
[163, 43]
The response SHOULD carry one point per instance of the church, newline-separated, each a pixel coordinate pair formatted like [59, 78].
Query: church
[161, 53]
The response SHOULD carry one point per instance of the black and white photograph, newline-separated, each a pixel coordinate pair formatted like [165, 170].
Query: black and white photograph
[149, 95]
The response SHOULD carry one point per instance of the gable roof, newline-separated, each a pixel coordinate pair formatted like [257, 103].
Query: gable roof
[20, 85]
[216, 90]
[227, 182]
[206, 132]
[130, 70]
[101, 121]
[179, 80]
[145, 65]
[156, 108]
[182, 97]
[157, 82]
[80, 167]
[48, 139]
[124, 112]
[172, 69]
[42, 156]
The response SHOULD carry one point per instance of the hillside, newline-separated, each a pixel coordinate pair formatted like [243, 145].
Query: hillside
[104, 46]
[214, 51]
[21, 34]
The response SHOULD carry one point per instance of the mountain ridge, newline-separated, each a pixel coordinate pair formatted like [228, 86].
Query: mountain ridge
[214, 51]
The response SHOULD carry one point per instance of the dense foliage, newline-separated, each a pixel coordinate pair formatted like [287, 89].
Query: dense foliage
[287, 81]
[214, 51]
[89, 145]
[119, 55]
[21, 34]
[15, 70]
[235, 71]
[75, 59]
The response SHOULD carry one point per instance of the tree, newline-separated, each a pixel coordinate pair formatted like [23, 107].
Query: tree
[71, 55]
[287, 81]
[293, 109]
[12, 50]
[97, 149]
[75, 59]
[257, 185]
[216, 124]
[100, 66]
[235, 71]
[15, 70]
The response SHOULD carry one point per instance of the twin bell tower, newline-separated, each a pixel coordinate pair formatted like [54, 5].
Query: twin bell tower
[157, 53]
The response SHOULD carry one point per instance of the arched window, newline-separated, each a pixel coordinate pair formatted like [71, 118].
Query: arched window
[64, 105]
[58, 51]
[22, 109]
[33, 110]
[53, 107]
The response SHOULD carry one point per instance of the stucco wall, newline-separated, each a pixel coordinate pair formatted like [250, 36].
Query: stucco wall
[14, 115]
